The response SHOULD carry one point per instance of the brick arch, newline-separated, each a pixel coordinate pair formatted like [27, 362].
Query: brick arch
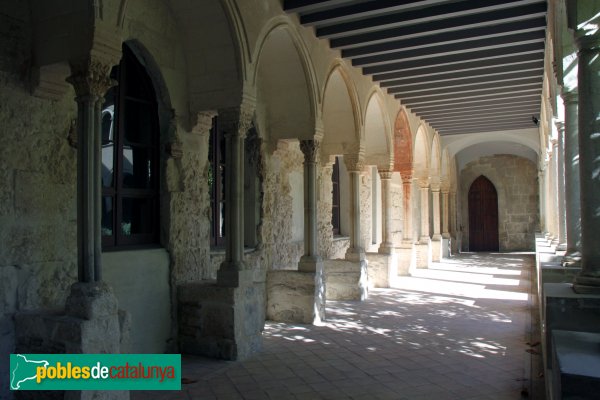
[403, 146]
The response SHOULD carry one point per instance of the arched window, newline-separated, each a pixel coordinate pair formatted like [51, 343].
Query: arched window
[130, 157]
[217, 184]
[335, 201]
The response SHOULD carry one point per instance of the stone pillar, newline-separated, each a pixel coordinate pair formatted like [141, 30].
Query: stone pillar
[424, 189]
[436, 239]
[424, 248]
[560, 161]
[446, 243]
[407, 181]
[234, 123]
[310, 259]
[91, 80]
[542, 192]
[572, 200]
[445, 213]
[354, 166]
[550, 196]
[406, 251]
[555, 196]
[588, 281]
[386, 207]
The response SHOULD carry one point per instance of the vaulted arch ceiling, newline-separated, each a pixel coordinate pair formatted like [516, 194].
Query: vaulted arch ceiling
[464, 66]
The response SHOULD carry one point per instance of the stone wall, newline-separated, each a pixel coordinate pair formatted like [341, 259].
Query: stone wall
[281, 251]
[37, 188]
[515, 179]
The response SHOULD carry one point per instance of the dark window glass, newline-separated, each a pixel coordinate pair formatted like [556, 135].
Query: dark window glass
[130, 144]
[335, 207]
[216, 180]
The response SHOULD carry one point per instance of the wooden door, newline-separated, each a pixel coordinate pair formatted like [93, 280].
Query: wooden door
[483, 216]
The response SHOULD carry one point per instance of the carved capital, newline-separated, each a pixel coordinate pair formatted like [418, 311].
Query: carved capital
[311, 150]
[91, 78]
[354, 162]
[385, 174]
[235, 121]
[423, 183]
[203, 122]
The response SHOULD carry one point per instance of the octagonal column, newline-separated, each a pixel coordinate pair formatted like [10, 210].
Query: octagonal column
[386, 210]
[424, 190]
[354, 166]
[234, 124]
[572, 199]
[589, 154]
[310, 259]
[91, 80]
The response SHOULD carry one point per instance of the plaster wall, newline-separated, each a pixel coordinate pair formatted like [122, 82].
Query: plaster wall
[140, 281]
[515, 180]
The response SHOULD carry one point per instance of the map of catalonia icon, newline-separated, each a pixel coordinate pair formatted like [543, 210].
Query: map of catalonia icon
[24, 370]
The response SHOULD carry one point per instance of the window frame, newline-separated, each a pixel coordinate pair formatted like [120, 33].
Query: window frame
[118, 192]
[336, 202]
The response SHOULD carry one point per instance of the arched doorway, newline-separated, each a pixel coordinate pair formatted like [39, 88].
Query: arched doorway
[483, 216]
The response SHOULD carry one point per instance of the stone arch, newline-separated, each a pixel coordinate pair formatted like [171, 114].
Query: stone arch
[341, 119]
[403, 146]
[284, 82]
[378, 150]
[421, 155]
[445, 169]
[216, 49]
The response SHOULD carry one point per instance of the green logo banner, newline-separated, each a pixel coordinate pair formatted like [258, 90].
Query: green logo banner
[95, 372]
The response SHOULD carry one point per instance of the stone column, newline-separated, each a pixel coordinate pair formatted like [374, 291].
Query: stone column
[386, 207]
[424, 189]
[91, 80]
[542, 192]
[435, 191]
[588, 281]
[234, 123]
[310, 259]
[407, 181]
[572, 200]
[555, 193]
[354, 165]
[551, 196]
[436, 239]
[560, 161]
[445, 212]
[424, 249]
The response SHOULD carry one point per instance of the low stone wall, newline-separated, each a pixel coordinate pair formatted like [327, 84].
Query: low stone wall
[381, 269]
[346, 280]
[295, 296]
[221, 322]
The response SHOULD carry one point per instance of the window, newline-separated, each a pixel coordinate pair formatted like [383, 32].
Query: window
[216, 181]
[335, 207]
[217, 185]
[130, 157]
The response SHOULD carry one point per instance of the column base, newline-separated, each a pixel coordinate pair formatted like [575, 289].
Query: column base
[296, 296]
[386, 248]
[571, 259]
[382, 269]
[219, 321]
[406, 258]
[233, 274]
[90, 324]
[586, 285]
[423, 253]
[356, 255]
[309, 263]
[436, 248]
[346, 279]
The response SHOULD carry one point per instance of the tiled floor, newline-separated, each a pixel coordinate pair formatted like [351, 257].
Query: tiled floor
[456, 331]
